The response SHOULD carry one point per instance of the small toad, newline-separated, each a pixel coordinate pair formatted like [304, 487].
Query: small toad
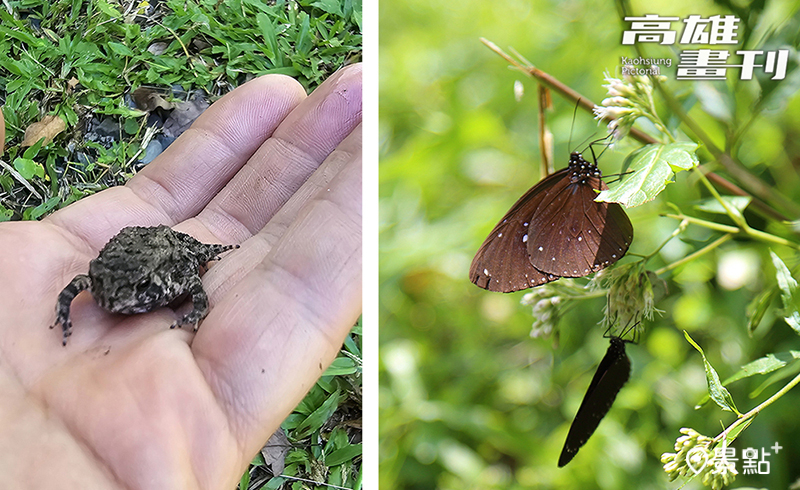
[141, 269]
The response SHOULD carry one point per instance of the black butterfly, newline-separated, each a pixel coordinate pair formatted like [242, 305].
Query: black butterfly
[612, 373]
[554, 230]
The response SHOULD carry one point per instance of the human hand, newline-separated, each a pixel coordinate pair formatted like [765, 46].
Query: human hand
[129, 403]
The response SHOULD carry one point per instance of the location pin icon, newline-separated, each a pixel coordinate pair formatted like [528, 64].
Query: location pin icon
[696, 459]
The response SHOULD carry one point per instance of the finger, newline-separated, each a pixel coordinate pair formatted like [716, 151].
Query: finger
[273, 334]
[284, 162]
[182, 180]
[227, 273]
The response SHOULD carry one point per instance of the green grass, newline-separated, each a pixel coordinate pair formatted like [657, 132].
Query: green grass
[324, 432]
[78, 59]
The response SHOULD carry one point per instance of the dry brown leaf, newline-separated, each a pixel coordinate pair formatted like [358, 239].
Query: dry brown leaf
[147, 99]
[184, 115]
[2, 132]
[275, 451]
[157, 48]
[48, 128]
[72, 83]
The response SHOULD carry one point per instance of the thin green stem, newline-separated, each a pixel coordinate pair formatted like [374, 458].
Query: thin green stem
[711, 246]
[752, 413]
[706, 224]
[681, 227]
[597, 293]
[751, 232]
[766, 237]
[736, 216]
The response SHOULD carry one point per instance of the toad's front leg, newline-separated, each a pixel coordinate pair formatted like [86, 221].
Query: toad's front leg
[78, 284]
[199, 302]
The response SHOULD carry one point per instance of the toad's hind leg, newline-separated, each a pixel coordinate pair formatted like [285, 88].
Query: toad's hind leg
[199, 303]
[78, 284]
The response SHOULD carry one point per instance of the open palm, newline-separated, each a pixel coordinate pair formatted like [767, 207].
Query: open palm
[129, 403]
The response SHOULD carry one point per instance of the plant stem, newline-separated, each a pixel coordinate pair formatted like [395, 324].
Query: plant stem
[736, 216]
[705, 224]
[751, 232]
[752, 413]
[681, 227]
[555, 84]
[711, 246]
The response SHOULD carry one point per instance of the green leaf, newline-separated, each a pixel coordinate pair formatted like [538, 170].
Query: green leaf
[273, 483]
[303, 44]
[341, 366]
[789, 371]
[337, 439]
[270, 38]
[38, 211]
[14, 67]
[108, 9]
[5, 213]
[319, 416]
[120, 49]
[357, 14]
[330, 6]
[28, 168]
[653, 167]
[788, 287]
[32, 151]
[343, 455]
[50, 168]
[298, 456]
[131, 126]
[762, 365]
[732, 435]
[351, 346]
[716, 391]
[313, 399]
[244, 483]
[758, 307]
[737, 204]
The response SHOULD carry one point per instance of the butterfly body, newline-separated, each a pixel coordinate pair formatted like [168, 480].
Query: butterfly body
[554, 230]
[612, 373]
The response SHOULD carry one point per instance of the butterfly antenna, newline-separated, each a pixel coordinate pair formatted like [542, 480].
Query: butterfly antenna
[571, 128]
[617, 177]
[635, 336]
[595, 142]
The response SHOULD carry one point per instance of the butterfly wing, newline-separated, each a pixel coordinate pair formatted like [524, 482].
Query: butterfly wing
[502, 263]
[572, 235]
[612, 373]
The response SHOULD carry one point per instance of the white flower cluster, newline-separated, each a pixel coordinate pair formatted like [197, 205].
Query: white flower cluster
[628, 99]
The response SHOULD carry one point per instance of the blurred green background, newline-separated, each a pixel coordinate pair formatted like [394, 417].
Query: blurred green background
[468, 399]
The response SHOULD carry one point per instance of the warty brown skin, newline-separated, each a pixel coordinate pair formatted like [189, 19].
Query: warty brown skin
[141, 269]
